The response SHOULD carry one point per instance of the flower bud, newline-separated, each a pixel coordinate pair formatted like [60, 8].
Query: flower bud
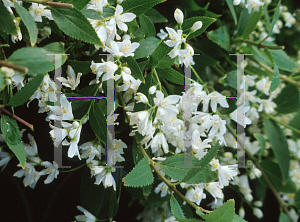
[119, 1]
[152, 89]
[75, 124]
[242, 212]
[258, 213]
[178, 16]
[196, 26]
[141, 98]
[258, 203]
[8, 82]
[236, 2]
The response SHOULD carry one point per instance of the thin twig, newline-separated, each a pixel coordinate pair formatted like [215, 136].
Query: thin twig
[58, 4]
[17, 118]
[259, 45]
[13, 66]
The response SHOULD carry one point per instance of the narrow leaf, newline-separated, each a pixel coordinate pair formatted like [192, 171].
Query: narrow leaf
[140, 176]
[26, 92]
[28, 22]
[279, 145]
[6, 21]
[176, 209]
[98, 121]
[221, 37]
[73, 23]
[276, 16]
[231, 8]
[171, 75]
[255, 17]
[79, 4]
[276, 79]
[147, 26]
[155, 16]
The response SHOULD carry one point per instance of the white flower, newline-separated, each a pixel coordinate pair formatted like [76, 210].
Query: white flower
[159, 141]
[10, 4]
[225, 173]
[289, 19]
[178, 15]
[32, 150]
[90, 151]
[236, 2]
[195, 195]
[19, 35]
[103, 175]
[171, 219]
[185, 56]
[31, 176]
[238, 115]
[74, 134]
[59, 134]
[253, 4]
[122, 18]
[38, 10]
[267, 105]
[215, 98]
[108, 68]
[215, 190]
[162, 35]
[97, 5]
[87, 217]
[63, 112]
[163, 188]
[72, 81]
[4, 158]
[245, 189]
[175, 37]
[242, 212]
[51, 169]
[141, 98]
[127, 48]
[166, 105]
[197, 25]
[199, 145]
[255, 173]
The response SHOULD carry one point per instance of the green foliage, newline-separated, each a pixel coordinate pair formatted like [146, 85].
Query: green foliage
[98, 121]
[272, 171]
[255, 16]
[6, 21]
[276, 79]
[146, 48]
[276, 16]
[284, 218]
[231, 7]
[26, 92]
[80, 66]
[176, 209]
[12, 137]
[160, 58]
[279, 145]
[79, 4]
[171, 74]
[135, 69]
[155, 16]
[230, 79]
[147, 26]
[283, 61]
[140, 176]
[202, 175]
[297, 200]
[288, 100]
[225, 213]
[73, 23]
[29, 23]
[237, 218]
[262, 143]
[221, 37]
[138, 7]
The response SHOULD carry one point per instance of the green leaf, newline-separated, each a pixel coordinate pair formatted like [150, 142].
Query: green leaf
[26, 92]
[189, 220]
[176, 209]
[171, 75]
[255, 17]
[140, 176]
[6, 21]
[288, 100]
[155, 16]
[237, 218]
[284, 218]
[279, 145]
[79, 4]
[12, 137]
[295, 122]
[160, 58]
[203, 162]
[231, 8]
[270, 57]
[230, 79]
[272, 170]
[173, 167]
[256, 71]
[221, 37]
[146, 48]
[135, 69]
[204, 175]
[243, 21]
[276, 79]
[138, 7]
[147, 190]
[98, 122]
[80, 66]
[36, 59]
[28, 22]
[2, 84]
[91, 14]
[283, 61]
[297, 200]
[136, 153]
[225, 213]
[147, 26]
[188, 23]
[276, 16]
[73, 23]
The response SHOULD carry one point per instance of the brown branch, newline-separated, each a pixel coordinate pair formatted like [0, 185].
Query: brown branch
[58, 4]
[13, 66]
[17, 118]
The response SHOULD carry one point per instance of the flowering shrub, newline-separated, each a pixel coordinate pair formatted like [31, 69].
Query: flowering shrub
[210, 101]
